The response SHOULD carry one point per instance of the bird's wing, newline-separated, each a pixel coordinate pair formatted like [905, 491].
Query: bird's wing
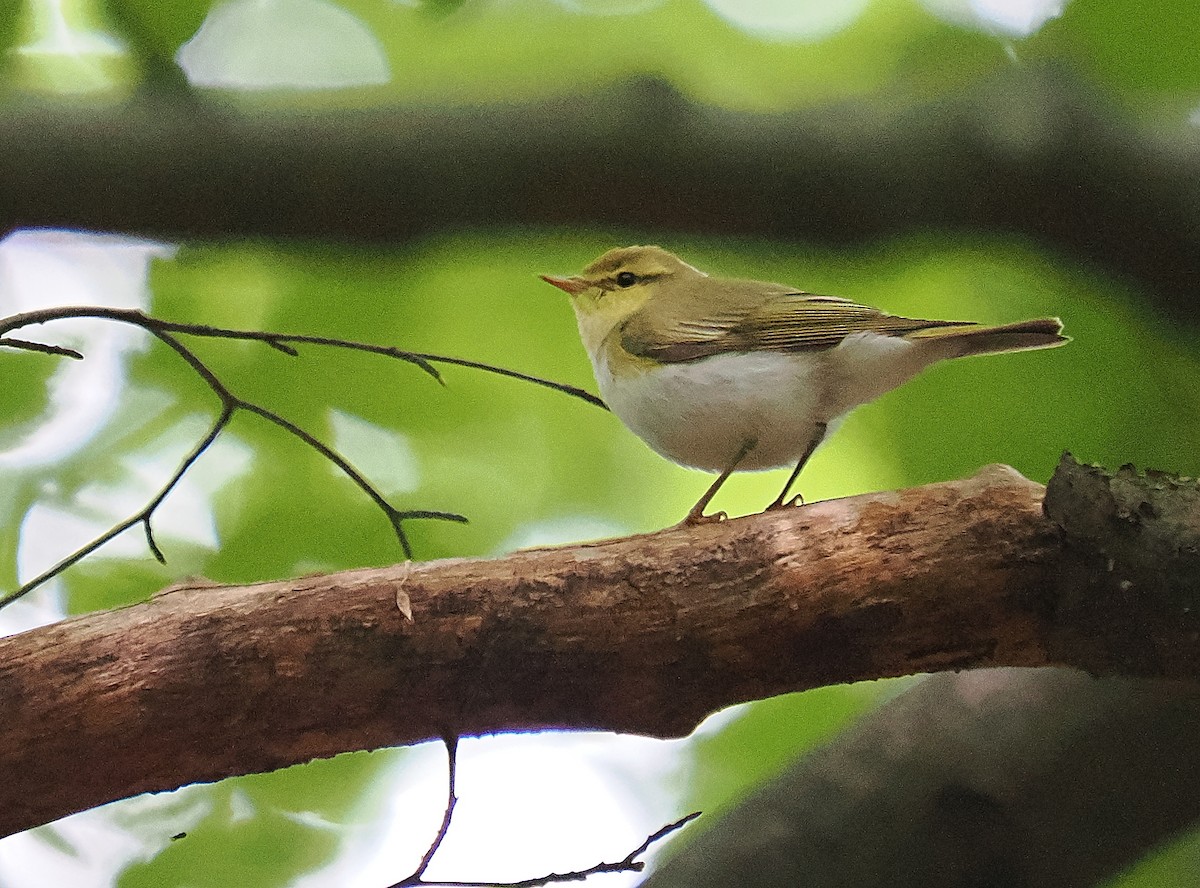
[786, 321]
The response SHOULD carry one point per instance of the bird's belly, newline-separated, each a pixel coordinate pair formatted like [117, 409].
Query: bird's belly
[702, 413]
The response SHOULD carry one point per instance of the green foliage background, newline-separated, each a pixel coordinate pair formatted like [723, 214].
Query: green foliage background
[526, 464]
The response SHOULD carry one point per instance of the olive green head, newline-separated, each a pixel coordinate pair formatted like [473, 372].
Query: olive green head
[619, 283]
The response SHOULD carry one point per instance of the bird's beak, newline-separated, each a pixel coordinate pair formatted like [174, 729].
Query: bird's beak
[571, 285]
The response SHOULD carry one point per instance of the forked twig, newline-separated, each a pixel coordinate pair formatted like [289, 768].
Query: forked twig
[169, 332]
[451, 743]
[232, 403]
[628, 864]
[141, 517]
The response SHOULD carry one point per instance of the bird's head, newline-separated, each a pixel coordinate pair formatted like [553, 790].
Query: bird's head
[618, 284]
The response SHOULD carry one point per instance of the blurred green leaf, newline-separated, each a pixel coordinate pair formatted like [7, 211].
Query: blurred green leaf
[158, 29]
[148, 36]
[265, 830]
[1148, 48]
[23, 395]
[1174, 864]
[443, 7]
[10, 24]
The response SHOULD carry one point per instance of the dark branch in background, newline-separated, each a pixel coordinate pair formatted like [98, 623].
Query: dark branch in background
[1040, 778]
[230, 404]
[1032, 152]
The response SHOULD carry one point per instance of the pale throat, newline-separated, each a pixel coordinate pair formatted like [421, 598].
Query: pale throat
[593, 328]
[600, 319]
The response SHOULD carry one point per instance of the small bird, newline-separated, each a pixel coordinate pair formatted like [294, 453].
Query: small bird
[721, 374]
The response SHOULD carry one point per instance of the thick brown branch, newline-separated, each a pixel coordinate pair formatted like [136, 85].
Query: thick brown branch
[644, 635]
[1032, 152]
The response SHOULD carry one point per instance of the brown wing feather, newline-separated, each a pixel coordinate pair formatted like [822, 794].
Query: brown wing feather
[784, 321]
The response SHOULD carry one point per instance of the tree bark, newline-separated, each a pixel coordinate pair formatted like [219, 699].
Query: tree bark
[643, 635]
[1032, 152]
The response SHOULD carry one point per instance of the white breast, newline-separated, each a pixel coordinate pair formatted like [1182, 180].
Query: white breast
[701, 413]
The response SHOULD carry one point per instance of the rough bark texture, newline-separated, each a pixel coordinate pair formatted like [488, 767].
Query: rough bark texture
[644, 635]
[1130, 569]
[998, 778]
[1032, 152]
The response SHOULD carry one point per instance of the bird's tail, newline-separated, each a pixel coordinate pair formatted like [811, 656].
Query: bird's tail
[972, 339]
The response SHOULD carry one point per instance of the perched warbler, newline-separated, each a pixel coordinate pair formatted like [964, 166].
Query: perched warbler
[722, 374]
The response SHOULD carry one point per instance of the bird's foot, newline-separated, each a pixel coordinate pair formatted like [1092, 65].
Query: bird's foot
[797, 500]
[696, 517]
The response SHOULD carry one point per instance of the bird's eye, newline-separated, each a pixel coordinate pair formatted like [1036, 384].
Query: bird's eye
[626, 279]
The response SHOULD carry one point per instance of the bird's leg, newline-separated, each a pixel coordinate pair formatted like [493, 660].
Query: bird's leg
[696, 515]
[782, 501]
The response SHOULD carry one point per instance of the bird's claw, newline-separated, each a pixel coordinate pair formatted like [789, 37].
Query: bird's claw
[695, 519]
[797, 500]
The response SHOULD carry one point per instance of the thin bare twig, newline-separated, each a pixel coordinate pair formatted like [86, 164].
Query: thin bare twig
[575, 392]
[628, 864]
[281, 341]
[142, 517]
[169, 332]
[28, 345]
[231, 402]
[451, 742]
